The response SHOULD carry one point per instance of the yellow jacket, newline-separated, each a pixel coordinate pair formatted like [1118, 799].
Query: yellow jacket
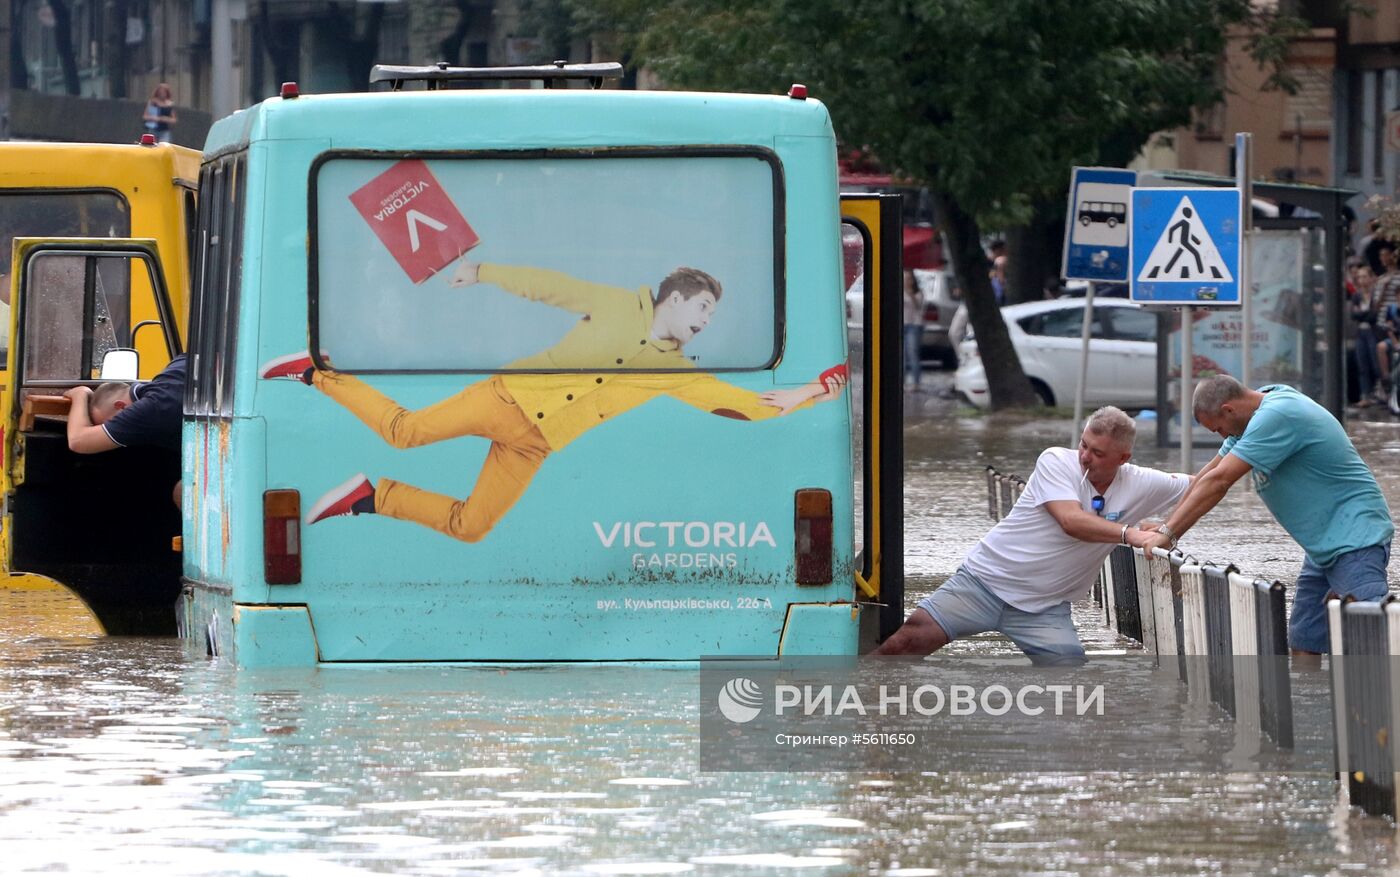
[615, 333]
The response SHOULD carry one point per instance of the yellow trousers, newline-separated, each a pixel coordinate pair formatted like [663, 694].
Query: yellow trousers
[484, 409]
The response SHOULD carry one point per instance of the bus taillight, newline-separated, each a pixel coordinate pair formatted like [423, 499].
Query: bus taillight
[282, 537]
[813, 536]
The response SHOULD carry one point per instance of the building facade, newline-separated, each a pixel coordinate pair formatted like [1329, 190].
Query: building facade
[82, 70]
[1366, 149]
[1292, 132]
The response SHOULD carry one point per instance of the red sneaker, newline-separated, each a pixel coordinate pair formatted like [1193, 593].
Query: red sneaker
[293, 365]
[342, 500]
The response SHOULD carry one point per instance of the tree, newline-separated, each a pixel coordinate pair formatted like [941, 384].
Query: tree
[355, 27]
[19, 70]
[114, 51]
[63, 45]
[280, 44]
[554, 22]
[988, 103]
[470, 14]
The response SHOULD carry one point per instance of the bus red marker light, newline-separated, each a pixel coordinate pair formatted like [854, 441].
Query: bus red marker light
[812, 543]
[290, 90]
[282, 537]
[798, 91]
[148, 140]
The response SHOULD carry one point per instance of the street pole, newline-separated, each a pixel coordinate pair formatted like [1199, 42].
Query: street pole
[1244, 179]
[221, 58]
[1078, 425]
[1188, 327]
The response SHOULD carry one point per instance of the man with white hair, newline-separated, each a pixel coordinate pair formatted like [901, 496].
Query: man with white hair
[1019, 579]
[1311, 478]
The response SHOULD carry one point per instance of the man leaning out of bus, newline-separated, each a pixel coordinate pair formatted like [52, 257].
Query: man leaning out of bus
[123, 415]
[1019, 579]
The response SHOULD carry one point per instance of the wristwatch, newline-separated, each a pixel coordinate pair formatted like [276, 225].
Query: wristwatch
[1167, 531]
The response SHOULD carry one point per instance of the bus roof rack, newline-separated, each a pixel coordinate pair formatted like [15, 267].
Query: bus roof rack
[551, 74]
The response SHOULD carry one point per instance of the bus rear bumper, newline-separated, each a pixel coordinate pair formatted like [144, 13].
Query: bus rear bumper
[261, 635]
[821, 629]
[250, 635]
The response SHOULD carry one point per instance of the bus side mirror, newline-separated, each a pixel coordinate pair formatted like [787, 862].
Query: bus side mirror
[121, 364]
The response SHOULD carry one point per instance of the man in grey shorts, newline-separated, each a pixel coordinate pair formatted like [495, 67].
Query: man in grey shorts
[1020, 578]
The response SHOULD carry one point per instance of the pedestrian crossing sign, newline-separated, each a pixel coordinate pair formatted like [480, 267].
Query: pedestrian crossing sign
[1185, 247]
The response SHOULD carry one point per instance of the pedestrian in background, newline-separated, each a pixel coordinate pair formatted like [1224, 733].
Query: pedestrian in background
[999, 279]
[996, 254]
[1363, 314]
[1370, 248]
[1387, 297]
[160, 113]
[913, 331]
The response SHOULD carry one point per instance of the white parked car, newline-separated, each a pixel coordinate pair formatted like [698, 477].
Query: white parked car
[936, 288]
[1122, 353]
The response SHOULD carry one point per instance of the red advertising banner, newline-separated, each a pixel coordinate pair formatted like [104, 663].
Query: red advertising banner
[412, 215]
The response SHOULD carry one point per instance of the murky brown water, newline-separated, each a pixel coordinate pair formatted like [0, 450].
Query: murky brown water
[130, 755]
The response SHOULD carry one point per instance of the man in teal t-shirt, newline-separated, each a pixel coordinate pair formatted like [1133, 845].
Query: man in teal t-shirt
[1310, 476]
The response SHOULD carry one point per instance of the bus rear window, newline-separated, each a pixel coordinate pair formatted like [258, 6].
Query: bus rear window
[551, 262]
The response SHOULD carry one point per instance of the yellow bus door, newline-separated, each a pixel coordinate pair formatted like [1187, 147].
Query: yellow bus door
[100, 524]
[873, 225]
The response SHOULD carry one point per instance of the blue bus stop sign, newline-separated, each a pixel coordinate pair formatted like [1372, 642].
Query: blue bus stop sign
[1096, 224]
[1186, 247]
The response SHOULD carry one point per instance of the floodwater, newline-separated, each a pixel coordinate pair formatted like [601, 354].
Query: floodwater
[135, 756]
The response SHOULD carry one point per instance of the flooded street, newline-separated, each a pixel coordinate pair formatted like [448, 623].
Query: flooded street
[135, 756]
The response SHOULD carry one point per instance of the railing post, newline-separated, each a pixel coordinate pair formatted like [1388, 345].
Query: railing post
[1216, 587]
[1370, 768]
[1147, 618]
[1275, 686]
[1392, 624]
[1127, 616]
[1193, 633]
[1340, 723]
[1164, 630]
[1110, 610]
[1244, 637]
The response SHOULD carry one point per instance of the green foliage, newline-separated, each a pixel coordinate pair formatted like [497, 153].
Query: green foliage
[989, 101]
[554, 22]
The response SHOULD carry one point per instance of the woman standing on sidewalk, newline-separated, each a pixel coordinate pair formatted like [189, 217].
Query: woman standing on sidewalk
[160, 113]
[913, 331]
[1363, 312]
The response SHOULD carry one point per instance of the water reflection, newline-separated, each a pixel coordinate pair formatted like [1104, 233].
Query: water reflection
[127, 755]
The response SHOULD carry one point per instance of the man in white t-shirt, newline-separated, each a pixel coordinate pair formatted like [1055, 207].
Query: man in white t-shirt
[1020, 578]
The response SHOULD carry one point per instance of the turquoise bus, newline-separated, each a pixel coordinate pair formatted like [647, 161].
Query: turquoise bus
[524, 375]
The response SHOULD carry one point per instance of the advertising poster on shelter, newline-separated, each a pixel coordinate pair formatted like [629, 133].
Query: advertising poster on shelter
[1286, 321]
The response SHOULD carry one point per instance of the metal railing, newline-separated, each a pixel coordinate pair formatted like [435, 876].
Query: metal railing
[1227, 633]
[1002, 493]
